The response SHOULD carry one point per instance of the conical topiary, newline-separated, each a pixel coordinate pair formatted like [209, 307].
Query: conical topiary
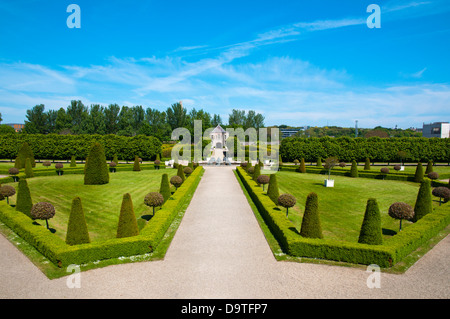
[367, 164]
[77, 231]
[302, 167]
[180, 172]
[311, 227]
[164, 190]
[96, 167]
[371, 232]
[272, 190]
[23, 200]
[137, 165]
[424, 199]
[418, 176]
[17, 163]
[28, 169]
[256, 172]
[115, 159]
[73, 161]
[24, 153]
[354, 169]
[127, 226]
[429, 167]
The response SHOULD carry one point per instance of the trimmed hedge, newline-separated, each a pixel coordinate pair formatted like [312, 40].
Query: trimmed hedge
[386, 255]
[61, 254]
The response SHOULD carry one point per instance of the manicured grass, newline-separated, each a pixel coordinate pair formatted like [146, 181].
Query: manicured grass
[342, 207]
[101, 203]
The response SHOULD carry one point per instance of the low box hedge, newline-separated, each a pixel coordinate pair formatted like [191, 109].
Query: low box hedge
[386, 255]
[61, 254]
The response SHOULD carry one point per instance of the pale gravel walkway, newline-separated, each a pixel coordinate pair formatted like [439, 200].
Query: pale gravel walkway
[219, 251]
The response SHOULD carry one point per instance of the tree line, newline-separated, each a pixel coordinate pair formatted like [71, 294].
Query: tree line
[79, 119]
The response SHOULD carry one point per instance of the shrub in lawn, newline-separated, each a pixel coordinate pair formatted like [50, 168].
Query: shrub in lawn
[115, 159]
[154, 199]
[43, 211]
[7, 191]
[429, 168]
[127, 225]
[401, 211]
[176, 181]
[23, 199]
[330, 162]
[28, 169]
[156, 163]
[384, 171]
[256, 172]
[59, 168]
[250, 170]
[441, 192]
[14, 171]
[296, 162]
[423, 204]
[164, 189]
[354, 169]
[187, 171]
[319, 163]
[180, 172]
[342, 164]
[272, 190]
[77, 231]
[137, 165]
[371, 232]
[418, 175]
[433, 175]
[286, 201]
[112, 167]
[302, 167]
[24, 153]
[367, 164]
[17, 163]
[263, 180]
[311, 227]
[73, 161]
[96, 167]
[47, 164]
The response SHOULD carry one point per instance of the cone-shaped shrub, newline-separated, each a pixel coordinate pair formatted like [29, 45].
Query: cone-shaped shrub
[115, 159]
[418, 176]
[73, 161]
[367, 164]
[311, 227]
[256, 172]
[77, 231]
[28, 169]
[96, 168]
[23, 200]
[24, 153]
[371, 232]
[272, 190]
[164, 189]
[354, 169]
[302, 168]
[423, 204]
[180, 172]
[249, 164]
[17, 163]
[429, 168]
[319, 162]
[137, 165]
[127, 226]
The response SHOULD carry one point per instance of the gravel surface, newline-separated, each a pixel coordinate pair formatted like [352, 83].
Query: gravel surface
[219, 251]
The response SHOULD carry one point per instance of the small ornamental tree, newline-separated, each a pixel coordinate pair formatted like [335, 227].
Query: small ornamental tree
[7, 191]
[180, 172]
[115, 159]
[418, 176]
[164, 189]
[401, 211]
[342, 164]
[286, 201]
[250, 170]
[96, 168]
[28, 169]
[13, 172]
[137, 165]
[433, 175]
[127, 225]
[296, 162]
[384, 171]
[371, 232]
[311, 227]
[47, 164]
[423, 204]
[112, 167]
[23, 199]
[24, 153]
[429, 168]
[367, 164]
[302, 168]
[441, 192]
[77, 231]
[176, 181]
[256, 172]
[354, 169]
[402, 155]
[59, 168]
[319, 163]
[156, 163]
[17, 163]
[330, 162]
[263, 180]
[397, 167]
[187, 171]
[272, 190]
[154, 199]
[73, 161]
[43, 211]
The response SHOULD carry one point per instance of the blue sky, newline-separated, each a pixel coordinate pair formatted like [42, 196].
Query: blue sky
[296, 62]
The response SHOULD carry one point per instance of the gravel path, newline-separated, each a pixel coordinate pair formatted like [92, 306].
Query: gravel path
[219, 251]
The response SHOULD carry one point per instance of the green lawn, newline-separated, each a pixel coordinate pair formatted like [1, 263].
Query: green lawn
[342, 207]
[101, 203]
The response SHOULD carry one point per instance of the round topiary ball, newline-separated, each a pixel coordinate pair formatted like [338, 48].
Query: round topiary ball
[47, 163]
[59, 165]
[154, 199]
[401, 210]
[397, 167]
[384, 170]
[112, 164]
[7, 191]
[263, 179]
[286, 200]
[442, 192]
[251, 170]
[187, 170]
[157, 162]
[244, 164]
[176, 181]
[42, 210]
[433, 175]
[342, 164]
[13, 171]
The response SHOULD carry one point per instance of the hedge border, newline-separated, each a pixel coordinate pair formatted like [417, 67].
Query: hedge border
[61, 254]
[386, 255]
